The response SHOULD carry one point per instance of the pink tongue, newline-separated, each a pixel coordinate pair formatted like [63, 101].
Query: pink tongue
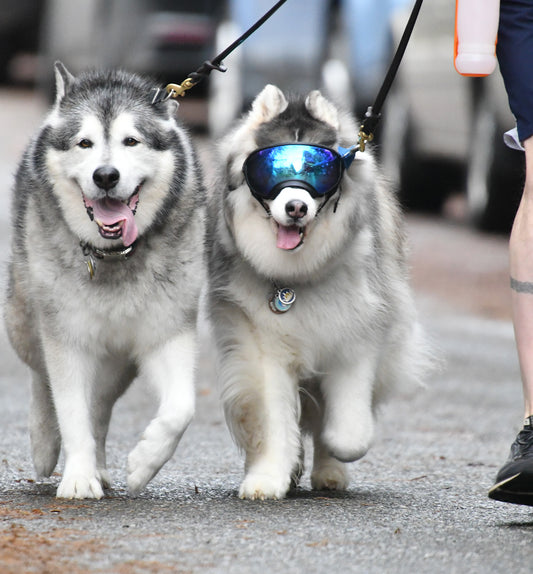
[288, 237]
[111, 212]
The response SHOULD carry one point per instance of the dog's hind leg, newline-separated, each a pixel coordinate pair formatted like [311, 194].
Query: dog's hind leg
[23, 333]
[328, 473]
[44, 429]
[170, 370]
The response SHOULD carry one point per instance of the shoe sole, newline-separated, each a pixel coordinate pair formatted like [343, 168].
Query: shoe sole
[516, 489]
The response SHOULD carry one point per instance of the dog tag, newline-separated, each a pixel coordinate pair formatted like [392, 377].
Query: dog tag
[91, 266]
[282, 300]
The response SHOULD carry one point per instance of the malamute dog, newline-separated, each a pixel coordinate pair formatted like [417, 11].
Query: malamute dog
[107, 264]
[309, 298]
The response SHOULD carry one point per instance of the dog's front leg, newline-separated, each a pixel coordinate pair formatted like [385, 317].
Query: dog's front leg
[262, 409]
[170, 370]
[71, 373]
[348, 419]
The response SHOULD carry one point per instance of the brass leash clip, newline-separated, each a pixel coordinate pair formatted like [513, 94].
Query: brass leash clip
[363, 138]
[172, 91]
[176, 90]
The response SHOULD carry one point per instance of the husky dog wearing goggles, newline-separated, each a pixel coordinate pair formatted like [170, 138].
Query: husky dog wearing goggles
[313, 318]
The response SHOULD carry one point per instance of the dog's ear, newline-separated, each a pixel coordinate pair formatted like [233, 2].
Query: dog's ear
[171, 108]
[63, 80]
[322, 109]
[268, 104]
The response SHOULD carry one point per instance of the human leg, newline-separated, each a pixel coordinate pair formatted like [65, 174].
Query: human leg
[514, 482]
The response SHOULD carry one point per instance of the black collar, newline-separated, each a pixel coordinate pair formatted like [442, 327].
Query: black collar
[120, 254]
[92, 253]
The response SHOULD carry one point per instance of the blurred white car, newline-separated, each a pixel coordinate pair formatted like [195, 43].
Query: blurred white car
[442, 130]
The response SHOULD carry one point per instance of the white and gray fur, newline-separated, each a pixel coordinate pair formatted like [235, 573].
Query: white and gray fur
[85, 339]
[352, 335]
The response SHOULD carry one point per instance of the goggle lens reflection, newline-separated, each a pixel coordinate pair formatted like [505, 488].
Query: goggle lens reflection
[318, 169]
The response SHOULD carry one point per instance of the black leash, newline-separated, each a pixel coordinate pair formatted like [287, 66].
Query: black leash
[373, 114]
[176, 90]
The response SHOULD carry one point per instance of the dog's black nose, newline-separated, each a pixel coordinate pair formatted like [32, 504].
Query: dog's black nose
[296, 209]
[106, 177]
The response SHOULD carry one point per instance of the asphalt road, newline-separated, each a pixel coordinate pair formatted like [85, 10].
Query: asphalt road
[416, 503]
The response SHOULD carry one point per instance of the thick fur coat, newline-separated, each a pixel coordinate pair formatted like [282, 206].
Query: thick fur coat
[352, 335]
[106, 268]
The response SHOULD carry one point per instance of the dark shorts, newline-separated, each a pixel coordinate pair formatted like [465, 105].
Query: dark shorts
[515, 56]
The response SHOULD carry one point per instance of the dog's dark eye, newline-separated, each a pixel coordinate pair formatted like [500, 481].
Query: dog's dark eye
[130, 142]
[85, 143]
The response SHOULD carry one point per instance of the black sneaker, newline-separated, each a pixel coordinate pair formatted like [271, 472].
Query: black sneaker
[514, 482]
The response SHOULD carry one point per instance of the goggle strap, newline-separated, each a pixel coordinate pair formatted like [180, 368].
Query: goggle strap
[326, 199]
[263, 203]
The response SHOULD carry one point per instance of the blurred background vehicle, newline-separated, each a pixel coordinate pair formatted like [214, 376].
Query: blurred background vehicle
[443, 132]
[166, 39]
[20, 24]
[440, 134]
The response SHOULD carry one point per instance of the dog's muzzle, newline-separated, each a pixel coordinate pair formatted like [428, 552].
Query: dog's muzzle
[292, 210]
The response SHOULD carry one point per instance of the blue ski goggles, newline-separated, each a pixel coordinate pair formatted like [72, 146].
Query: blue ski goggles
[315, 168]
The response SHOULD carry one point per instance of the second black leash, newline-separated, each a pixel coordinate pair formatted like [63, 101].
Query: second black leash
[373, 113]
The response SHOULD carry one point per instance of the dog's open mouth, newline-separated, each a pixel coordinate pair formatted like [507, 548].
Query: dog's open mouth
[290, 237]
[115, 218]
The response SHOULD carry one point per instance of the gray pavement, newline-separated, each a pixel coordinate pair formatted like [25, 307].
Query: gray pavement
[417, 502]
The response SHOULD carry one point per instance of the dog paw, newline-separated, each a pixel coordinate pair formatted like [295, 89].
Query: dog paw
[138, 479]
[346, 452]
[157, 445]
[45, 462]
[140, 471]
[45, 454]
[263, 487]
[348, 445]
[80, 486]
[331, 476]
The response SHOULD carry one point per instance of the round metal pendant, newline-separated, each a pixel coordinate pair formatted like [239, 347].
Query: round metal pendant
[282, 300]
